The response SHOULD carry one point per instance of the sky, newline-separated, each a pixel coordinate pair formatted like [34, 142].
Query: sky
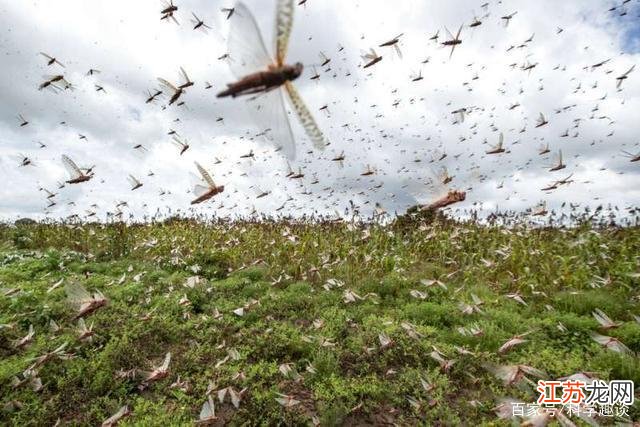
[382, 118]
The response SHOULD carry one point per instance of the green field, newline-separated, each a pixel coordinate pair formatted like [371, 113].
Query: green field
[342, 319]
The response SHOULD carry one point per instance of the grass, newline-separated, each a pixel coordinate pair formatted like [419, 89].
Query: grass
[293, 279]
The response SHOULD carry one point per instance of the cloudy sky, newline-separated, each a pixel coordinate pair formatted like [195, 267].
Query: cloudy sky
[382, 117]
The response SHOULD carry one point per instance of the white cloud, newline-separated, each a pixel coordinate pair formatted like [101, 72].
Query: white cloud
[132, 47]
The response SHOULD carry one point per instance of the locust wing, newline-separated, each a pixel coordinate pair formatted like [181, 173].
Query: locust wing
[71, 167]
[425, 191]
[167, 360]
[557, 160]
[176, 141]
[624, 77]
[284, 23]
[269, 113]
[113, 420]
[184, 75]
[541, 119]
[449, 34]
[167, 85]
[306, 118]
[633, 67]
[133, 181]
[245, 45]
[369, 56]
[208, 411]
[324, 59]
[205, 175]
[77, 294]
[200, 190]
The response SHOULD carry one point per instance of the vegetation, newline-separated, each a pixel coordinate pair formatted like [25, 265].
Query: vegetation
[347, 321]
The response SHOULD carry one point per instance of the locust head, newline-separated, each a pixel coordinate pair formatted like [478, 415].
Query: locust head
[294, 71]
[456, 196]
